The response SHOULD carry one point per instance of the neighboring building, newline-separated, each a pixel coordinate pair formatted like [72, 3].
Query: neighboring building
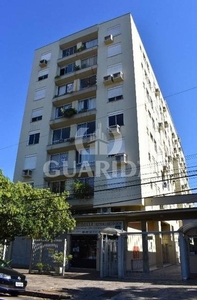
[95, 113]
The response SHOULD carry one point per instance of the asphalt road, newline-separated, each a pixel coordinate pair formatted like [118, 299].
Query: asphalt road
[8, 297]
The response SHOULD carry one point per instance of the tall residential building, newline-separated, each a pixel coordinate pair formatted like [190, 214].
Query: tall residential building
[96, 125]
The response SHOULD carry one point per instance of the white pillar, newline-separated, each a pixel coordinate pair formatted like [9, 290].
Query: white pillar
[101, 257]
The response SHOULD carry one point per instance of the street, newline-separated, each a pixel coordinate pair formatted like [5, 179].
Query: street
[8, 297]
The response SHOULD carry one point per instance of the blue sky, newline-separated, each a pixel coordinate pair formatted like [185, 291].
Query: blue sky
[168, 31]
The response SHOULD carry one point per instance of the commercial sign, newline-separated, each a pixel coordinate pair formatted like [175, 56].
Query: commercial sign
[95, 227]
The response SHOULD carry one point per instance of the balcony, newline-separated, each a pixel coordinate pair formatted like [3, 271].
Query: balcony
[77, 74]
[62, 145]
[60, 173]
[78, 55]
[88, 92]
[80, 117]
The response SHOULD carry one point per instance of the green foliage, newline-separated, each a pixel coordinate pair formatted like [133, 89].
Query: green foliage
[69, 112]
[40, 266]
[59, 258]
[35, 213]
[83, 190]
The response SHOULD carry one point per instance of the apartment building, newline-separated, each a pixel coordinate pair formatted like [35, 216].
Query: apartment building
[96, 125]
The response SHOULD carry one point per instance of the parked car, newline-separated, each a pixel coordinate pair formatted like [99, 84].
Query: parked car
[11, 281]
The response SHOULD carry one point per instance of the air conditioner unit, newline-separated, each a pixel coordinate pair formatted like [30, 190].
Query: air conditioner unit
[165, 168]
[108, 39]
[160, 125]
[157, 92]
[27, 173]
[118, 76]
[166, 124]
[108, 79]
[115, 129]
[105, 210]
[43, 63]
[121, 158]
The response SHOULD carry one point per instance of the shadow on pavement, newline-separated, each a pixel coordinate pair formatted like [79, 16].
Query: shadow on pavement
[133, 293]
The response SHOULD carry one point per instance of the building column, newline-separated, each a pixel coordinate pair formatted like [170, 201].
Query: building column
[101, 256]
[184, 256]
[121, 251]
[158, 244]
[145, 247]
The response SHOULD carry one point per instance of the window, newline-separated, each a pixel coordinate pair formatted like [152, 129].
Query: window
[88, 82]
[85, 155]
[117, 119]
[59, 110]
[114, 94]
[57, 186]
[34, 138]
[114, 50]
[115, 30]
[65, 89]
[36, 115]
[88, 62]
[114, 69]
[46, 56]
[86, 104]
[69, 51]
[43, 74]
[59, 135]
[85, 129]
[90, 44]
[116, 146]
[39, 94]
[30, 162]
[67, 69]
[58, 160]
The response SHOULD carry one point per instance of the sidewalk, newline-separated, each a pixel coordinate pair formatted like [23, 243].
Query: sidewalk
[162, 284]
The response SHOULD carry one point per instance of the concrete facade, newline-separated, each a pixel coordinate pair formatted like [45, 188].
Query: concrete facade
[129, 146]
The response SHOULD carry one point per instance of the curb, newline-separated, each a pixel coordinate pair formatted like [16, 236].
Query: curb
[45, 295]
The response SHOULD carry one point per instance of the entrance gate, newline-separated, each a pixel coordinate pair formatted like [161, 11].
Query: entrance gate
[110, 256]
[112, 252]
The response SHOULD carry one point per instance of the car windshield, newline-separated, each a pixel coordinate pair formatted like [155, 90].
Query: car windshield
[3, 263]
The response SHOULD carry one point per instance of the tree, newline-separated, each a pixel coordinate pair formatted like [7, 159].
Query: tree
[36, 213]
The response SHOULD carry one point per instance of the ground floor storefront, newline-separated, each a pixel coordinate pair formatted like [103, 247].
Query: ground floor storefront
[118, 244]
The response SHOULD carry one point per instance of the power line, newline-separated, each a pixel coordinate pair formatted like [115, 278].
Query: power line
[132, 185]
[181, 92]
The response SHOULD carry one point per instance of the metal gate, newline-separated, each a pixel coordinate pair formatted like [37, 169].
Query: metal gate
[110, 256]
